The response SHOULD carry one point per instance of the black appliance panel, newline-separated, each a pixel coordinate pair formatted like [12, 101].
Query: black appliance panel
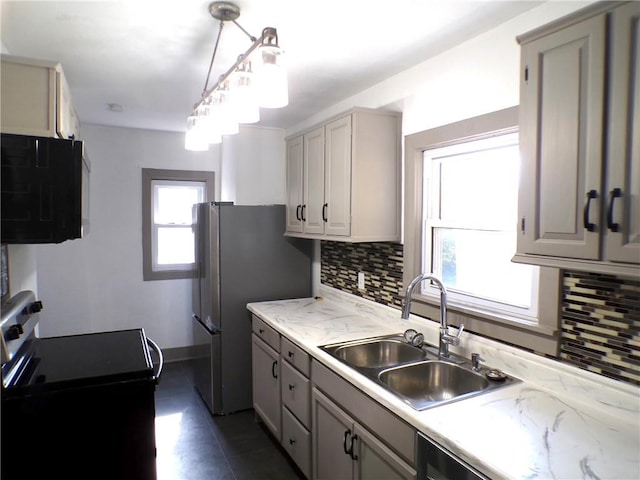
[86, 360]
[41, 189]
[85, 409]
[436, 463]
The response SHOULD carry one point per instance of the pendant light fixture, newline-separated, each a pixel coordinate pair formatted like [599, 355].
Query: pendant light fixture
[257, 79]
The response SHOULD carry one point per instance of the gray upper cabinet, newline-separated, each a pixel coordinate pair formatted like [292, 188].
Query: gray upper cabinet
[578, 103]
[343, 178]
[623, 211]
[313, 190]
[294, 184]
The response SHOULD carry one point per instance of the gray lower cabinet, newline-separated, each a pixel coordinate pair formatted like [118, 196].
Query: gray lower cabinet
[319, 418]
[266, 384]
[343, 448]
[296, 404]
[296, 440]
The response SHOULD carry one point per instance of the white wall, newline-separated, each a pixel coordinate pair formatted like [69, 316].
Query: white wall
[253, 167]
[476, 77]
[95, 284]
[22, 268]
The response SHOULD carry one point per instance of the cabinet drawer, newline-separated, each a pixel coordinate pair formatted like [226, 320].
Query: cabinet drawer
[296, 440]
[266, 333]
[295, 356]
[295, 393]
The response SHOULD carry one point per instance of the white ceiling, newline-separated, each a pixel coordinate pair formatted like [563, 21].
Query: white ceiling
[152, 56]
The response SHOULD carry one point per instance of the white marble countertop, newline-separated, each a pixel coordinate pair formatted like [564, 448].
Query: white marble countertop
[560, 422]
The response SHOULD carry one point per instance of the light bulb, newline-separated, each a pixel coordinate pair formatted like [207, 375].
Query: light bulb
[244, 95]
[271, 77]
[211, 122]
[227, 114]
[195, 139]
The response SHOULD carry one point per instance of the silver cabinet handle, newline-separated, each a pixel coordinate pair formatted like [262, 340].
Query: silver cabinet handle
[154, 346]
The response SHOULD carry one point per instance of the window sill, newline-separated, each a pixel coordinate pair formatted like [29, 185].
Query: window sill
[535, 337]
[169, 275]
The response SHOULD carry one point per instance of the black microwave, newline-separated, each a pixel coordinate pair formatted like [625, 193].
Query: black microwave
[45, 189]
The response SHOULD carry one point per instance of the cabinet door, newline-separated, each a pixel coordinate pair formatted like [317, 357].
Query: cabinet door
[314, 181]
[294, 185]
[28, 99]
[266, 384]
[623, 209]
[337, 184]
[375, 461]
[331, 436]
[561, 133]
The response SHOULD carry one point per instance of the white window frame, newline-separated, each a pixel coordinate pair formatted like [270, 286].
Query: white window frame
[540, 334]
[431, 222]
[156, 226]
[151, 270]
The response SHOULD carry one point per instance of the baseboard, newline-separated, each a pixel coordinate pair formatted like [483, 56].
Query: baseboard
[177, 354]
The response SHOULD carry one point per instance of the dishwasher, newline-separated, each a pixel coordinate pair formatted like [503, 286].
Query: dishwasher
[435, 463]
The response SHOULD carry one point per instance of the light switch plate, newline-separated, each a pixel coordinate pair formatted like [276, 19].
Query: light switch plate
[361, 280]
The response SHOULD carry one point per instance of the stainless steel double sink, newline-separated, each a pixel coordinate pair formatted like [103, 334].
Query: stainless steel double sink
[415, 374]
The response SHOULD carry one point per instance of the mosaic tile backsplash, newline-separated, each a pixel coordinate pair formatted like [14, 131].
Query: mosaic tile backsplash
[600, 313]
[380, 262]
[601, 325]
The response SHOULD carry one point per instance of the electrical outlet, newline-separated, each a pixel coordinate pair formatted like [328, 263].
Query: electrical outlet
[361, 280]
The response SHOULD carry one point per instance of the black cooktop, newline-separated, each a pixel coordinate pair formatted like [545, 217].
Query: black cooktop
[78, 361]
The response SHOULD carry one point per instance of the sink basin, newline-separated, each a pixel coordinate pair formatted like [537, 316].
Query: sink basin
[424, 383]
[379, 353]
[416, 375]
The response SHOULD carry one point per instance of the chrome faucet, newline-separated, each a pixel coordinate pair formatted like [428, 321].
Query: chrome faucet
[445, 338]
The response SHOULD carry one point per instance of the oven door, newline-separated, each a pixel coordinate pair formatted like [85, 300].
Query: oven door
[83, 408]
[435, 463]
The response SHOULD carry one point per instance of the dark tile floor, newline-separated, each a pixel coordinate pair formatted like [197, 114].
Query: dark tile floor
[194, 445]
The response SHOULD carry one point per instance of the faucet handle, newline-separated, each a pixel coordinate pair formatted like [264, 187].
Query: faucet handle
[451, 339]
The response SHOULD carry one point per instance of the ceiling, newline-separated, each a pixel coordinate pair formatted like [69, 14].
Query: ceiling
[151, 56]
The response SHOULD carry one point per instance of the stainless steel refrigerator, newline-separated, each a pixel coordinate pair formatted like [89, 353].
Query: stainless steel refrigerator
[242, 257]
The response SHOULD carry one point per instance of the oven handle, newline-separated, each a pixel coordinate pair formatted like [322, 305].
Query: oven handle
[154, 346]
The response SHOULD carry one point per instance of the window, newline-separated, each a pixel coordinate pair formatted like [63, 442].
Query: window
[470, 191]
[168, 238]
[460, 222]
